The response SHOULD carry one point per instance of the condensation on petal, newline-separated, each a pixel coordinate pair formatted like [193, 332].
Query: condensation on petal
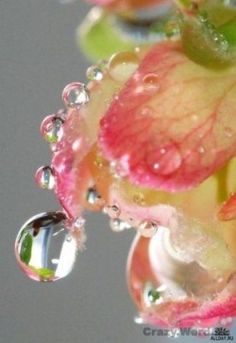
[179, 135]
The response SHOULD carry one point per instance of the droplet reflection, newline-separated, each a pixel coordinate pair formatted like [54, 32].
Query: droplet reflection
[44, 248]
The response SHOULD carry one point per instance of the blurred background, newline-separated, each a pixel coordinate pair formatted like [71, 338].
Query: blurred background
[38, 57]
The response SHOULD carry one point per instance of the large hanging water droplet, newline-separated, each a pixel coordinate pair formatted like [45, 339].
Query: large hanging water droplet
[51, 129]
[118, 225]
[148, 228]
[75, 95]
[44, 248]
[44, 177]
[94, 73]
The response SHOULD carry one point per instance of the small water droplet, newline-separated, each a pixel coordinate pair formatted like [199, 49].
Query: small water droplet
[118, 225]
[164, 163]
[75, 95]
[201, 150]
[92, 196]
[94, 73]
[171, 28]
[112, 211]
[138, 320]
[148, 228]
[44, 177]
[152, 295]
[151, 82]
[79, 223]
[52, 129]
[122, 65]
[42, 248]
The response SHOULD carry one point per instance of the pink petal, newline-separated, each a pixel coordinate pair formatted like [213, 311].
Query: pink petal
[173, 122]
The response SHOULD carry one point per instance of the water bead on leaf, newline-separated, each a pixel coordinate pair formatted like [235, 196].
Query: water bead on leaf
[44, 248]
[75, 95]
[44, 177]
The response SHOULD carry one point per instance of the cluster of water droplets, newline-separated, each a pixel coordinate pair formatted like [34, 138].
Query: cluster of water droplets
[47, 244]
[219, 42]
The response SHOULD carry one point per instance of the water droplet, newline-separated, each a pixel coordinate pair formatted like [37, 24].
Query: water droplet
[122, 65]
[151, 82]
[112, 211]
[44, 177]
[51, 129]
[171, 28]
[92, 196]
[79, 223]
[138, 320]
[152, 295]
[94, 73]
[164, 163]
[201, 149]
[75, 94]
[77, 231]
[42, 241]
[118, 225]
[148, 228]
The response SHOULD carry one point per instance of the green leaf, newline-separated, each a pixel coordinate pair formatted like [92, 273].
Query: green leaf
[25, 252]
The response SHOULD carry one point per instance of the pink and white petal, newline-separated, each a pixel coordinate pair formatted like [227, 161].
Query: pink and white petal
[170, 122]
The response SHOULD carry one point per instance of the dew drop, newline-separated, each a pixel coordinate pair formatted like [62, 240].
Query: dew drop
[92, 196]
[76, 228]
[147, 228]
[151, 82]
[122, 65]
[52, 129]
[151, 295]
[112, 211]
[79, 223]
[44, 177]
[94, 73]
[138, 320]
[44, 248]
[201, 149]
[171, 28]
[75, 95]
[164, 162]
[118, 225]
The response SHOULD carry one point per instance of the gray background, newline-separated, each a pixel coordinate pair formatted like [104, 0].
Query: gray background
[38, 57]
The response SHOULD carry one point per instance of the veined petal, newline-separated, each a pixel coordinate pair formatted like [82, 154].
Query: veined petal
[179, 127]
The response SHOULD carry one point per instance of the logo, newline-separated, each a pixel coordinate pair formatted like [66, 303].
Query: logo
[221, 334]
